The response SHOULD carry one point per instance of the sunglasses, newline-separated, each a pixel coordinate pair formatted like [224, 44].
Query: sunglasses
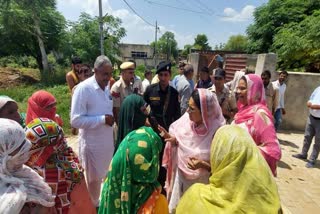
[86, 71]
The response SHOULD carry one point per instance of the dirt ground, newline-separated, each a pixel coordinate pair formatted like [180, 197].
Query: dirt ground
[10, 77]
[299, 187]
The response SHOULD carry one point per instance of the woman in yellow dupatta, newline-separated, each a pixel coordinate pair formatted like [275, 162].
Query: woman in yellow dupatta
[240, 182]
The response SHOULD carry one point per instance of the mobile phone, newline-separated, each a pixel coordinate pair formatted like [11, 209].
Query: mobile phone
[154, 123]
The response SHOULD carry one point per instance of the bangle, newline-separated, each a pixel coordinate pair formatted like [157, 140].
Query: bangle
[162, 134]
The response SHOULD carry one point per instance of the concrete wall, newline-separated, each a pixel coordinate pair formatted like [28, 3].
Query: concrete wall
[299, 88]
[194, 59]
[266, 62]
[125, 49]
[149, 61]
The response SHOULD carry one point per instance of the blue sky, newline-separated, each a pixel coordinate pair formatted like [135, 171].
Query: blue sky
[217, 19]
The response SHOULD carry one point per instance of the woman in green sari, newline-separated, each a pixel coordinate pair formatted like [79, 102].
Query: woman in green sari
[131, 185]
[131, 117]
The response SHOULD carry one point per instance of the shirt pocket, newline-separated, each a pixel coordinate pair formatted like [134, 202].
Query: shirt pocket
[155, 103]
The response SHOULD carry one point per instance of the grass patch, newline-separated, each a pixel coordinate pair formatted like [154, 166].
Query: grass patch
[61, 93]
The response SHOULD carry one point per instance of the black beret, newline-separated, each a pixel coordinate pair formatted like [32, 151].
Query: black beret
[164, 66]
[220, 73]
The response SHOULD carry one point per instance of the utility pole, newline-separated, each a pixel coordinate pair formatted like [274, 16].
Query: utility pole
[155, 46]
[101, 28]
[167, 47]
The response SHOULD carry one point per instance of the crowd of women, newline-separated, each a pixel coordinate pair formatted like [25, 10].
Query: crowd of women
[211, 167]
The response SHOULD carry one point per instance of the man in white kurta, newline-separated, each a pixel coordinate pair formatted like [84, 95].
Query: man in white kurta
[91, 113]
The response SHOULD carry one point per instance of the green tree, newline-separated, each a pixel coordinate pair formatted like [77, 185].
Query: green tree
[220, 46]
[186, 50]
[167, 45]
[272, 17]
[31, 28]
[236, 43]
[84, 37]
[298, 44]
[201, 42]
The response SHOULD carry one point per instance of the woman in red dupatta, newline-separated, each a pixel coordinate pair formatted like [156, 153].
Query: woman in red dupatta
[42, 104]
[193, 133]
[255, 117]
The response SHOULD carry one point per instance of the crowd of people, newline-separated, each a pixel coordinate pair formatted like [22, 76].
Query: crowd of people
[161, 145]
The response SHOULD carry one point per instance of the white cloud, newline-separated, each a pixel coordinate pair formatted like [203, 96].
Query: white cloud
[231, 15]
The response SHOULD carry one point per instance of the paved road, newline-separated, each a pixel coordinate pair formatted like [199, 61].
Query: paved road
[299, 187]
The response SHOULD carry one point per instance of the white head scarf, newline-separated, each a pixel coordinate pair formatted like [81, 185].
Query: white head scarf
[19, 183]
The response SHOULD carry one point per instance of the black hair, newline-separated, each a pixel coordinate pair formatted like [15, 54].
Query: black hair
[205, 69]
[196, 98]
[76, 60]
[182, 64]
[249, 71]
[244, 79]
[266, 73]
[83, 66]
[284, 72]
[187, 69]
[147, 72]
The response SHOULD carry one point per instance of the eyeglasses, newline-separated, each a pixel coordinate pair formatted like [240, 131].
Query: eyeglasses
[86, 71]
[218, 78]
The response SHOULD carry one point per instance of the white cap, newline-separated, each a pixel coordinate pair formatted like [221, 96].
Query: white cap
[4, 99]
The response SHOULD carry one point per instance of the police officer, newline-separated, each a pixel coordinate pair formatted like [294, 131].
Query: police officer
[123, 87]
[226, 99]
[164, 103]
[163, 98]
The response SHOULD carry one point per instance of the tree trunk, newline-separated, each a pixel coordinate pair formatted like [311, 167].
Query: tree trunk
[45, 64]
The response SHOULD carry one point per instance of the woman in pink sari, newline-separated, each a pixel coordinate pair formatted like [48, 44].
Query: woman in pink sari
[187, 152]
[255, 117]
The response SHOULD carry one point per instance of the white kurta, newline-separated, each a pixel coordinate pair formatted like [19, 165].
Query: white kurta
[89, 105]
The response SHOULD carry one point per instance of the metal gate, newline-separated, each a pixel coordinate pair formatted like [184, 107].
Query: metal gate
[233, 63]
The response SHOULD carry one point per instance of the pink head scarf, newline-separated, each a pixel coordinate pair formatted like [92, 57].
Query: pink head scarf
[259, 121]
[193, 141]
[37, 104]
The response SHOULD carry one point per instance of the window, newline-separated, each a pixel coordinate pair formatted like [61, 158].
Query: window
[138, 54]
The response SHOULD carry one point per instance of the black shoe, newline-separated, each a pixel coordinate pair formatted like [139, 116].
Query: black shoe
[300, 156]
[310, 163]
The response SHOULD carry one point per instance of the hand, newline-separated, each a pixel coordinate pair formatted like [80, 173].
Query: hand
[309, 104]
[147, 123]
[167, 137]
[283, 111]
[194, 163]
[109, 120]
